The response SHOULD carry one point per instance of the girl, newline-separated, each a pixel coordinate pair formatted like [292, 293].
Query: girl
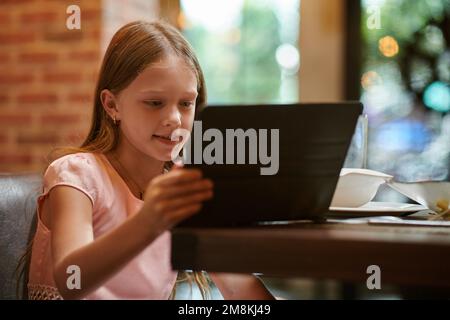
[107, 208]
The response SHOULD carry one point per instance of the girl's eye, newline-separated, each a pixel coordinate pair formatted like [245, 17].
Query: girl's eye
[153, 103]
[187, 104]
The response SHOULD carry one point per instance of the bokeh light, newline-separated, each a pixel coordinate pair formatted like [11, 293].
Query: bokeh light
[288, 57]
[437, 96]
[370, 79]
[389, 46]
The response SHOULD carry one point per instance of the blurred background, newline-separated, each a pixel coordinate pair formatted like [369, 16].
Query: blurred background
[393, 55]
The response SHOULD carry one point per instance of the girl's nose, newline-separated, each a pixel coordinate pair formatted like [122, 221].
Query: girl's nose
[172, 117]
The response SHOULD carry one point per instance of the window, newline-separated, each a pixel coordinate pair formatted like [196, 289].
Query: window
[248, 49]
[405, 86]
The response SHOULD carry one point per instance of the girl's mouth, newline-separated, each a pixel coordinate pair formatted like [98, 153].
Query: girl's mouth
[166, 140]
[162, 137]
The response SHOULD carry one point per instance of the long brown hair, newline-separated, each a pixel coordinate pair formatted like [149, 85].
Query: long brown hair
[132, 48]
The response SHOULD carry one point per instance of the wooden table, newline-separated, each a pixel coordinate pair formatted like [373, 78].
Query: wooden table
[406, 255]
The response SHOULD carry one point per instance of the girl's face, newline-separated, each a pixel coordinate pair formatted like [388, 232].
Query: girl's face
[160, 100]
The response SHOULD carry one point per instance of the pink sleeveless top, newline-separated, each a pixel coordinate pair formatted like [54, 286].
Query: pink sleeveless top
[148, 276]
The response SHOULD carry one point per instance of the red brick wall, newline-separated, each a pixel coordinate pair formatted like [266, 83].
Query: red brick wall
[48, 73]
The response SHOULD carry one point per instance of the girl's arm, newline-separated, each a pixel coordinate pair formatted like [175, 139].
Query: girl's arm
[169, 199]
[240, 287]
[73, 242]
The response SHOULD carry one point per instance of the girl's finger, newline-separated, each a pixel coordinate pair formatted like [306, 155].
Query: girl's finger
[184, 213]
[178, 176]
[176, 203]
[186, 189]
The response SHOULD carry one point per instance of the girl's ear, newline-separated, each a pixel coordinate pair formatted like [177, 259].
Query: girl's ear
[109, 104]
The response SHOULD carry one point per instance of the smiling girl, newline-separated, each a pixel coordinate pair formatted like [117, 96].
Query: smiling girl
[107, 207]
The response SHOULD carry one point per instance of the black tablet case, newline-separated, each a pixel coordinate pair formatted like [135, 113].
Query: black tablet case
[313, 143]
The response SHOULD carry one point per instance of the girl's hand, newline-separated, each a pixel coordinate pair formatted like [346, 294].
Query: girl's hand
[175, 196]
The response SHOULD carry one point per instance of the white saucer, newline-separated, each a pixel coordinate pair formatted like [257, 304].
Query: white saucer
[383, 207]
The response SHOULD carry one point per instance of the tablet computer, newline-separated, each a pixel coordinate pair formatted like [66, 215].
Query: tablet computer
[269, 162]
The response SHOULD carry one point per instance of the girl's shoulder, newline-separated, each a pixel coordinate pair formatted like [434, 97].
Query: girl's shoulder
[82, 171]
[76, 161]
[84, 166]
[81, 157]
